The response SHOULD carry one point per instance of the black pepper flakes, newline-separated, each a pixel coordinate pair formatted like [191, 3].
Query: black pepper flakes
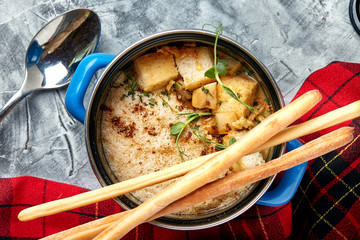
[152, 131]
[138, 108]
[122, 128]
[228, 128]
[188, 135]
[203, 152]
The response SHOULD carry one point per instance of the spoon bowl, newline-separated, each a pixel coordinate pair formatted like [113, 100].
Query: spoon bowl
[55, 51]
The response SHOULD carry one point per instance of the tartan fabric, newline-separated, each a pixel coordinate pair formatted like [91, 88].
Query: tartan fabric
[326, 205]
[18, 193]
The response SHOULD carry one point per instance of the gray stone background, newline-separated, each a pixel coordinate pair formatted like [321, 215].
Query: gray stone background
[39, 138]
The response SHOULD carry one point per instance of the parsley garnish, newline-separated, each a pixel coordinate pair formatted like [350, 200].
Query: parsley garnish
[152, 101]
[165, 103]
[205, 90]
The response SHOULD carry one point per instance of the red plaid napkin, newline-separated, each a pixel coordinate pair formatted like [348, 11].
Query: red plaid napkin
[326, 205]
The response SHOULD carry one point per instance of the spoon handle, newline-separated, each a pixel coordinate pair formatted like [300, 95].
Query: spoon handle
[16, 98]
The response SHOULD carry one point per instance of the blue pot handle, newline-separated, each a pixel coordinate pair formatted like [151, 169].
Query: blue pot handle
[289, 182]
[74, 99]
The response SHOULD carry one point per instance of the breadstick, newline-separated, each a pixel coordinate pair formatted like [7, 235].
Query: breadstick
[309, 151]
[107, 192]
[211, 169]
[88, 230]
[327, 120]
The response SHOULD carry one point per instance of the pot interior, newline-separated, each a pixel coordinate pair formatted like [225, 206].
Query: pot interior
[94, 133]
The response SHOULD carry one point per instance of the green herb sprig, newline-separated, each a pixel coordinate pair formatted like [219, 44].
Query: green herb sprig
[219, 68]
[178, 128]
[218, 146]
[166, 104]
[206, 91]
[222, 147]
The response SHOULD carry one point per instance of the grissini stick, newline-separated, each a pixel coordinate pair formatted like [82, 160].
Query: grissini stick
[310, 150]
[211, 169]
[87, 230]
[329, 119]
[107, 192]
[326, 120]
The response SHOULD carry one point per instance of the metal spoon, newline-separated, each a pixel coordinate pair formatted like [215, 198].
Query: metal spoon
[55, 52]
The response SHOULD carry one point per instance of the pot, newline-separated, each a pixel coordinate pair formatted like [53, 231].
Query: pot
[91, 117]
